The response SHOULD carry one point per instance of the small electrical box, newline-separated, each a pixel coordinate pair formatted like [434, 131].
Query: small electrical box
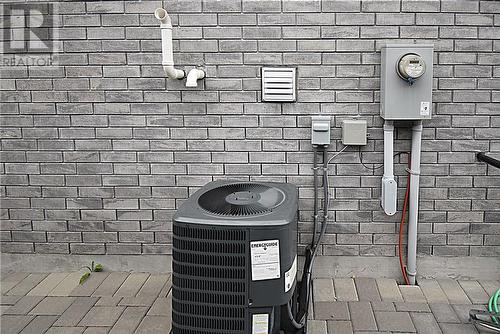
[354, 132]
[406, 81]
[320, 130]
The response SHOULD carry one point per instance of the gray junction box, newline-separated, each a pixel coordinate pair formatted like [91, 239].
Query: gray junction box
[402, 99]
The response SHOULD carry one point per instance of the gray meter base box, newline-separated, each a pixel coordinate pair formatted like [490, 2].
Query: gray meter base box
[398, 99]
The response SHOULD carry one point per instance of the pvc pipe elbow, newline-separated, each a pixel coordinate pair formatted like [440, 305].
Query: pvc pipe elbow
[162, 15]
[193, 76]
[173, 73]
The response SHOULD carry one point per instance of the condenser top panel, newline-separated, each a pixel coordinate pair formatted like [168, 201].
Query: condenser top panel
[406, 81]
[241, 203]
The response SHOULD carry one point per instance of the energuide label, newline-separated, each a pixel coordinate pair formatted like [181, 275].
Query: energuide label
[425, 108]
[265, 259]
[260, 323]
[290, 275]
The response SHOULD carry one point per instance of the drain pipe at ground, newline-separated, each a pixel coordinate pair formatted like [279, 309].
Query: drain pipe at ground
[416, 140]
[166, 45]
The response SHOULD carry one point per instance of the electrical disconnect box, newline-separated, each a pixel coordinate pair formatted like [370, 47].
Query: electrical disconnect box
[406, 81]
[354, 132]
[320, 130]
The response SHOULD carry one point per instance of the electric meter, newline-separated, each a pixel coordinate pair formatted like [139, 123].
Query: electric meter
[406, 81]
[410, 67]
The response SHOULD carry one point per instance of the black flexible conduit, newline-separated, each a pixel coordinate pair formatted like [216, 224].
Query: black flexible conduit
[481, 156]
[315, 182]
[311, 250]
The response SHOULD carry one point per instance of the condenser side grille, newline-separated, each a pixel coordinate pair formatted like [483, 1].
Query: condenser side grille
[211, 311]
[209, 284]
[213, 323]
[210, 234]
[209, 260]
[209, 298]
[211, 246]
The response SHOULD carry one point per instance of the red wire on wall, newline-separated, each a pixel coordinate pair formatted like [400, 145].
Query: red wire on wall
[401, 225]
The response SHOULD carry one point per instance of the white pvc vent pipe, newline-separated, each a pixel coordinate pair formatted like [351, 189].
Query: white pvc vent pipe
[166, 45]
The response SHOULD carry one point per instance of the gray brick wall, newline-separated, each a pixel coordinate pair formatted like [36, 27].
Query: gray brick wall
[99, 150]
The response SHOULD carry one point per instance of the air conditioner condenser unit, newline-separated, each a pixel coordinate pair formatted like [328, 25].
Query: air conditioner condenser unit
[235, 259]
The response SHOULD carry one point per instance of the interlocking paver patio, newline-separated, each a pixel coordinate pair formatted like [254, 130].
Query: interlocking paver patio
[383, 306]
[412, 294]
[65, 330]
[362, 316]
[112, 283]
[96, 330]
[48, 284]
[154, 325]
[26, 285]
[412, 307]
[121, 303]
[339, 327]
[458, 329]
[9, 300]
[474, 291]
[39, 325]
[489, 286]
[137, 301]
[11, 281]
[24, 305]
[153, 285]
[425, 323]
[345, 289]
[388, 289]
[432, 291]
[316, 327]
[129, 320]
[463, 311]
[367, 289]
[444, 313]
[52, 306]
[394, 321]
[108, 301]
[91, 284]
[102, 316]
[331, 311]
[76, 311]
[323, 290]
[132, 285]
[67, 285]
[454, 291]
[13, 324]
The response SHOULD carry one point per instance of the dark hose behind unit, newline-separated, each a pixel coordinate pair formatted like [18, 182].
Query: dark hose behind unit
[489, 160]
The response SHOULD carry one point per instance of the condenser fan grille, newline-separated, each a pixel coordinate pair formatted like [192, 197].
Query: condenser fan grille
[241, 199]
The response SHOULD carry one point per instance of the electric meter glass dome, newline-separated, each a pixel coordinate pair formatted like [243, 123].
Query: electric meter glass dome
[411, 66]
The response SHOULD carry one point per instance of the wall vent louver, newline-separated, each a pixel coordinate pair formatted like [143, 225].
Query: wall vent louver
[278, 84]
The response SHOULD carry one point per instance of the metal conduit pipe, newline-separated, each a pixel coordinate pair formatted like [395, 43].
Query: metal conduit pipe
[416, 140]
